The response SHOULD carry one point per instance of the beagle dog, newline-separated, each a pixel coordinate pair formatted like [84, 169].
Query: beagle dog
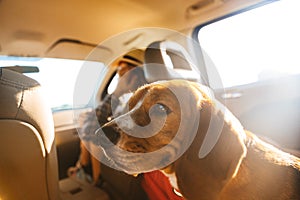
[179, 128]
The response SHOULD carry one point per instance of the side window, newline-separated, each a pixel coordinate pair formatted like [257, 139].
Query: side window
[257, 45]
[113, 83]
[59, 77]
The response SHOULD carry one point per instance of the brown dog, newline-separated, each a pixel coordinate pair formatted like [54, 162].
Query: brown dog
[177, 127]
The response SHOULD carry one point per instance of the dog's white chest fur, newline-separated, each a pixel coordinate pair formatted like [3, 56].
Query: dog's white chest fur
[172, 179]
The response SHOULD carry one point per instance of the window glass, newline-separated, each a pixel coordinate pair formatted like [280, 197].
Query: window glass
[260, 44]
[113, 84]
[57, 77]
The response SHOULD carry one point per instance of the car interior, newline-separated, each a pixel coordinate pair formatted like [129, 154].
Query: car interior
[56, 62]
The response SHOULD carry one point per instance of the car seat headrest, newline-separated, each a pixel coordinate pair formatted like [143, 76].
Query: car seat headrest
[166, 60]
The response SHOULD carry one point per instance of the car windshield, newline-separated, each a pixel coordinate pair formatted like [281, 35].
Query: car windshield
[57, 77]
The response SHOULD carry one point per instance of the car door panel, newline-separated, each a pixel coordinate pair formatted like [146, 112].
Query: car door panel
[67, 141]
[270, 109]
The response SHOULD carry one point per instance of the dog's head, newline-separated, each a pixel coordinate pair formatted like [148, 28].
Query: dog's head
[166, 124]
[160, 123]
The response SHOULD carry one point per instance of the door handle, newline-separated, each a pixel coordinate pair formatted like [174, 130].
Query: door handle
[231, 95]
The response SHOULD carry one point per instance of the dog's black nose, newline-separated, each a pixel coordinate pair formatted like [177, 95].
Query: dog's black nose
[111, 131]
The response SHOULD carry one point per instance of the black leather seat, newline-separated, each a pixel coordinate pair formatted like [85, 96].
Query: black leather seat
[166, 60]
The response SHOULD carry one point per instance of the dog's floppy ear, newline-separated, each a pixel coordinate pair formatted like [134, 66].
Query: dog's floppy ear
[138, 95]
[220, 165]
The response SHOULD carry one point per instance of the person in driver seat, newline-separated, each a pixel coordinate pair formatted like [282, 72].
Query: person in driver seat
[130, 77]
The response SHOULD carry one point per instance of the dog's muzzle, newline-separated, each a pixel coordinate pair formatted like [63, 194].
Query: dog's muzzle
[108, 134]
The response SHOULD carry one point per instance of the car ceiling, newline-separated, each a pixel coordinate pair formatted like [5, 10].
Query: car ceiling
[32, 27]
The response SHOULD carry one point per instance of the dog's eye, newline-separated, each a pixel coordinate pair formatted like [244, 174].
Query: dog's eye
[159, 109]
